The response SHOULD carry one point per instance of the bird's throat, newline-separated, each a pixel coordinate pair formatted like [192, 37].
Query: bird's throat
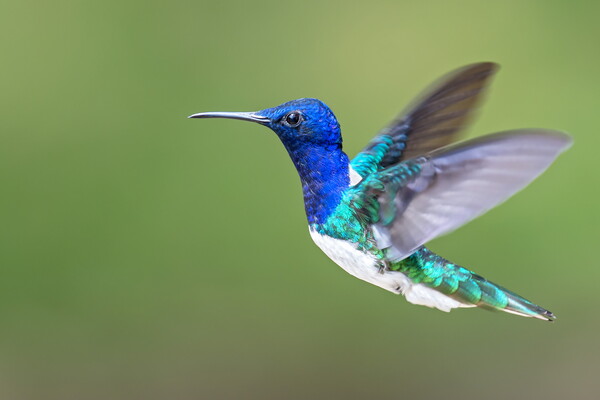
[324, 175]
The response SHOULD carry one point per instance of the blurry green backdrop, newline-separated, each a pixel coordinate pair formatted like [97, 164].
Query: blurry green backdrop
[147, 256]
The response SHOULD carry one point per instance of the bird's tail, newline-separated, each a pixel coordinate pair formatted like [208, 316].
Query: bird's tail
[459, 287]
[498, 298]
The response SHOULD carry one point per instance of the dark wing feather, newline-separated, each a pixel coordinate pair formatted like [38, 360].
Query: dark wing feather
[432, 121]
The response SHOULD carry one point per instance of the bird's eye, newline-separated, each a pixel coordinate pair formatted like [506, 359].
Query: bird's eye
[293, 119]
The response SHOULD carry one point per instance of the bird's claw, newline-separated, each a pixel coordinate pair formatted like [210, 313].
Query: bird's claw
[383, 267]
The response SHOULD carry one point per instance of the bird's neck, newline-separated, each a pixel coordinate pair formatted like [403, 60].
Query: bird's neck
[324, 175]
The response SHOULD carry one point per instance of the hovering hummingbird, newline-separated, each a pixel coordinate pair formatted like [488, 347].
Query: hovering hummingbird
[373, 215]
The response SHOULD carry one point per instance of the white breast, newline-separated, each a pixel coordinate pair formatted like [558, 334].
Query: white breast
[365, 267]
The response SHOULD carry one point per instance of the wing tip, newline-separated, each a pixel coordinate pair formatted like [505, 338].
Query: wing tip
[560, 136]
[486, 68]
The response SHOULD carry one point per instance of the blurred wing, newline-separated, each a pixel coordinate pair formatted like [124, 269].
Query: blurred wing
[432, 121]
[423, 198]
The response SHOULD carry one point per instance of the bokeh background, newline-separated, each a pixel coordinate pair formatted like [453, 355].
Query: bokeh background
[147, 256]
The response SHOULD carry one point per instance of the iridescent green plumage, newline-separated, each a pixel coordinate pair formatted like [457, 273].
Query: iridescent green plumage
[459, 283]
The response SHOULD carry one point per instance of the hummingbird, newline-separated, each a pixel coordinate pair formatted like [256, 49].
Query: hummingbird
[412, 183]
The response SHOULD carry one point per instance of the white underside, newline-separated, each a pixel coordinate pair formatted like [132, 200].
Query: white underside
[364, 266]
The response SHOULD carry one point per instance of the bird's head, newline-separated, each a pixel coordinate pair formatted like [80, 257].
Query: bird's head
[311, 135]
[298, 123]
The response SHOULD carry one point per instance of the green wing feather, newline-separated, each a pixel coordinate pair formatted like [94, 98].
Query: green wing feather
[417, 200]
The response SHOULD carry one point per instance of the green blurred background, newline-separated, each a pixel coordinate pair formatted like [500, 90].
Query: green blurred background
[147, 256]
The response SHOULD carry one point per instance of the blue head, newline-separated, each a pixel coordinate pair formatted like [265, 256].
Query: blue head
[311, 134]
[304, 122]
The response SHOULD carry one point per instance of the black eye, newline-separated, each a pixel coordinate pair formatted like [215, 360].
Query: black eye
[293, 119]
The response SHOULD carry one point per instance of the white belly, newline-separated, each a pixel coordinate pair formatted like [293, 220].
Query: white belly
[363, 266]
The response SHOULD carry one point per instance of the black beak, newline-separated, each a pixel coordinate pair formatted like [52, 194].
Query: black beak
[244, 116]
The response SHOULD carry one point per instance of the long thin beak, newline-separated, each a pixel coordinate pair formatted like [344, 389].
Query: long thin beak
[244, 116]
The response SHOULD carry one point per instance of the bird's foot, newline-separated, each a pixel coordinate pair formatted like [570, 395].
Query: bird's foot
[383, 267]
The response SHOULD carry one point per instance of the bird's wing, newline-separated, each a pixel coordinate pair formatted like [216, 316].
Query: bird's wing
[420, 199]
[432, 121]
